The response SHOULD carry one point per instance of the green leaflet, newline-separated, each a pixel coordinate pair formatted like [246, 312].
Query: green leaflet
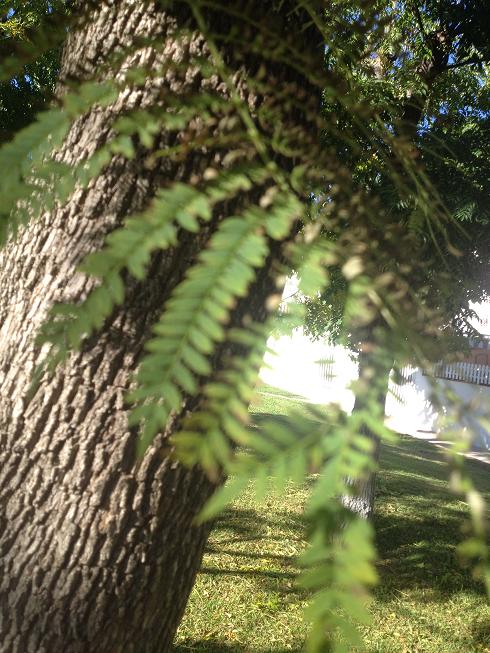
[339, 565]
[312, 272]
[131, 247]
[32, 181]
[228, 264]
[201, 304]
[224, 415]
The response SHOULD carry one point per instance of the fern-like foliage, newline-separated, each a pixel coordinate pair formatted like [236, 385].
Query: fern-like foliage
[199, 306]
[30, 168]
[268, 151]
[130, 248]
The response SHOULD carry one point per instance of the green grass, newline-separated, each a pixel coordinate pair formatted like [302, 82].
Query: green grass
[245, 599]
[274, 401]
[273, 390]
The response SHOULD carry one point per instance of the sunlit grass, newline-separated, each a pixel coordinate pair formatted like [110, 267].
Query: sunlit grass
[273, 401]
[245, 599]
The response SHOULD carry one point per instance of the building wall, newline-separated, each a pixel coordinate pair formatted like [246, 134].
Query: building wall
[409, 407]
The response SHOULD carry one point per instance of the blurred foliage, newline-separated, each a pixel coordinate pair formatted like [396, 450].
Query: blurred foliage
[30, 90]
[309, 188]
[427, 75]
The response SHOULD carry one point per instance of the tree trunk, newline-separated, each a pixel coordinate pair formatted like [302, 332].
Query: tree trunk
[96, 555]
[371, 370]
[361, 501]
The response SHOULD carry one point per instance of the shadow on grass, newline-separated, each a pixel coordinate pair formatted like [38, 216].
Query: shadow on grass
[418, 520]
[256, 573]
[249, 540]
[417, 524]
[425, 463]
[251, 524]
[420, 553]
[481, 632]
[215, 646]
[250, 555]
[416, 551]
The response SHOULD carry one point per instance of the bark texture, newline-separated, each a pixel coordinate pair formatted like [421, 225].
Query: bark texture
[361, 500]
[96, 555]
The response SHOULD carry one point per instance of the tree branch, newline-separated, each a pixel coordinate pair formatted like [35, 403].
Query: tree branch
[467, 62]
[418, 16]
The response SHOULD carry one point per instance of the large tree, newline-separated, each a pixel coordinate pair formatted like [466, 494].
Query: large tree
[149, 217]
[97, 553]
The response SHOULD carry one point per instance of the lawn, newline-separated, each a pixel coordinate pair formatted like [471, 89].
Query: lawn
[272, 401]
[245, 599]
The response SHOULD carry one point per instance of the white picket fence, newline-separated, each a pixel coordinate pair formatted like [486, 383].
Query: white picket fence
[465, 372]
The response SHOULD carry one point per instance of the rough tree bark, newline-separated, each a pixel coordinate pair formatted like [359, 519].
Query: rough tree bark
[371, 370]
[96, 555]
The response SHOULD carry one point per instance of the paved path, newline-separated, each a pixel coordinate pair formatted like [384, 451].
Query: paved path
[432, 437]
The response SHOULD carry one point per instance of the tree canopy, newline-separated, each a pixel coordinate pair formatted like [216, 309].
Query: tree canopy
[31, 88]
[428, 76]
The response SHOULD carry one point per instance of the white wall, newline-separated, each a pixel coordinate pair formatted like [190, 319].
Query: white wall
[409, 408]
[294, 368]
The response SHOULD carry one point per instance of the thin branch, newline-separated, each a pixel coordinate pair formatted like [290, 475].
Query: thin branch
[418, 16]
[467, 62]
[285, 299]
